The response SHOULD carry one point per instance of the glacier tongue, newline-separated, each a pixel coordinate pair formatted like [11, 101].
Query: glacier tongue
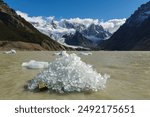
[68, 73]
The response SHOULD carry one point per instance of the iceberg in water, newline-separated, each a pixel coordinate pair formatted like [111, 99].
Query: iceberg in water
[35, 64]
[10, 52]
[59, 53]
[69, 74]
[86, 53]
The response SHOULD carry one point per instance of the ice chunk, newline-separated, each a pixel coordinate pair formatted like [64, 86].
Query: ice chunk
[68, 73]
[57, 53]
[86, 53]
[62, 53]
[35, 64]
[10, 52]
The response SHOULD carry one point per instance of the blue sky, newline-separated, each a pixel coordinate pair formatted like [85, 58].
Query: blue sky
[97, 9]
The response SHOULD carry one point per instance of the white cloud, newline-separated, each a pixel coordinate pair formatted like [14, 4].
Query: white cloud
[110, 25]
[30, 19]
[57, 28]
[86, 22]
[39, 19]
[113, 25]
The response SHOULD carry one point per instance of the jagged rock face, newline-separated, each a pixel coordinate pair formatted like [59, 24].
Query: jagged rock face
[88, 37]
[13, 28]
[78, 27]
[134, 34]
[96, 30]
[140, 15]
[78, 39]
[91, 32]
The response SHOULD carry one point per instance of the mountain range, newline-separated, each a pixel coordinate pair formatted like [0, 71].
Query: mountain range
[89, 31]
[20, 31]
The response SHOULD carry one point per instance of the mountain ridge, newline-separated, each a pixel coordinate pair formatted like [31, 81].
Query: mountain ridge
[134, 34]
[61, 31]
[91, 29]
[14, 28]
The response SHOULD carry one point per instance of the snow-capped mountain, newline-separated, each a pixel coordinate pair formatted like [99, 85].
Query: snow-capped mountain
[134, 34]
[140, 15]
[78, 39]
[89, 29]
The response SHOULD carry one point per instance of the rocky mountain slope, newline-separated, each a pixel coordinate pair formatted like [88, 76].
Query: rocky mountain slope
[17, 33]
[92, 31]
[134, 34]
[78, 39]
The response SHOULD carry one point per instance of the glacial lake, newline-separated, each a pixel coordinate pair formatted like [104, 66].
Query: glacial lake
[129, 71]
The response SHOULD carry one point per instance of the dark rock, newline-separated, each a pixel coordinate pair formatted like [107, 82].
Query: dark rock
[78, 39]
[134, 34]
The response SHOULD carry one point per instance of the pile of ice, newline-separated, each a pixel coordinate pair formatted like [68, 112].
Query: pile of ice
[10, 52]
[35, 64]
[69, 74]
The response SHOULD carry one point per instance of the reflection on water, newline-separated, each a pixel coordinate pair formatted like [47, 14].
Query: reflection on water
[129, 71]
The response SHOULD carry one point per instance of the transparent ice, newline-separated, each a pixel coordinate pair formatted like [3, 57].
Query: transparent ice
[69, 74]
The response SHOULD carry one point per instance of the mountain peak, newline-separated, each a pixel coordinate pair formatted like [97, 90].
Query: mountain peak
[134, 34]
[142, 13]
[78, 39]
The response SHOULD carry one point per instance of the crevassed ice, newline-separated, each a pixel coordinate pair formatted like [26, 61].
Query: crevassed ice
[69, 74]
